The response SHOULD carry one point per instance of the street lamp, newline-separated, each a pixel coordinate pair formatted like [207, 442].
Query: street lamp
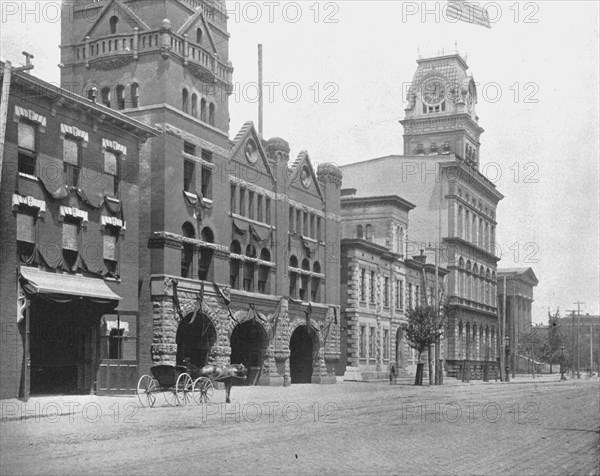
[562, 360]
[507, 349]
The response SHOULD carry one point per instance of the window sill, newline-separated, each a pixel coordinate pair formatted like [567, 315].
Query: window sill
[30, 177]
[250, 220]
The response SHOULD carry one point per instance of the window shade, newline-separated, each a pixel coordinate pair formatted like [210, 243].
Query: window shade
[25, 228]
[110, 247]
[110, 163]
[71, 151]
[26, 136]
[70, 232]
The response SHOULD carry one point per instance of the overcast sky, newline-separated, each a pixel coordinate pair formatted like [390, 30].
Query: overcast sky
[339, 71]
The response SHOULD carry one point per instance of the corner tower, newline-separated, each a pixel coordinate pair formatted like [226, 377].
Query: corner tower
[440, 117]
[129, 54]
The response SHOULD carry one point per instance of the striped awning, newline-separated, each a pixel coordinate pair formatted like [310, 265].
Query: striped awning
[42, 282]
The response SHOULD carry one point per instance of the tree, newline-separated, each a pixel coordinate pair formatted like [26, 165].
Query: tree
[551, 349]
[423, 329]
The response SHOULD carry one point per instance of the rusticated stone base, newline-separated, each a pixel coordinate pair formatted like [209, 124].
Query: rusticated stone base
[277, 329]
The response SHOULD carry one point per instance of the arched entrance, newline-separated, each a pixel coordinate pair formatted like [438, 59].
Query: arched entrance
[194, 339]
[248, 344]
[301, 355]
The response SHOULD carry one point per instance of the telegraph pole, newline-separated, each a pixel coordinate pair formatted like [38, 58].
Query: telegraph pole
[579, 303]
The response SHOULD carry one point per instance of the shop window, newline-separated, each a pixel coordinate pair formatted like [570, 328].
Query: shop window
[114, 344]
[71, 161]
[27, 142]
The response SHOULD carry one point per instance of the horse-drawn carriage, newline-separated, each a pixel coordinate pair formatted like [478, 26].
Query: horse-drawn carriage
[182, 384]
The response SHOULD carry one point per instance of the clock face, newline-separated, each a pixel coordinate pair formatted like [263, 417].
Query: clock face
[305, 177]
[433, 91]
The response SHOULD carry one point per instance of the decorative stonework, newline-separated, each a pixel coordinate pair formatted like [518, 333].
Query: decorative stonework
[112, 62]
[201, 73]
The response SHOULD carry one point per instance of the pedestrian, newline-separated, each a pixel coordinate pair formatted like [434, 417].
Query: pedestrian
[392, 373]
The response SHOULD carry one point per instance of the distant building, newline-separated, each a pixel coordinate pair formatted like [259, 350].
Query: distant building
[523, 338]
[69, 211]
[379, 284]
[455, 204]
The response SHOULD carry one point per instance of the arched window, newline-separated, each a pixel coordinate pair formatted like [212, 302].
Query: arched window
[205, 258]
[113, 24]
[120, 97]
[249, 268]
[105, 96]
[187, 252]
[194, 105]
[184, 100]
[234, 265]
[211, 114]
[359, 232]
[264, 272]
[369, 233]
[203, 110]
[92, 94]
[135, 95]
[199, 36]
[315, 285]
[293, 276]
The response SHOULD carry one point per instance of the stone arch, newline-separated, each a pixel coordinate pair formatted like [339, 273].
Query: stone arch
[195, 338]
[243, 316]
[305, 351]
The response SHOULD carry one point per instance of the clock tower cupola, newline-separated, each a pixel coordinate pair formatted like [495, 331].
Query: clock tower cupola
[440, 117]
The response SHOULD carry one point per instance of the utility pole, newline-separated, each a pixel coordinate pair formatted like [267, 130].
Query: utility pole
[504, 334]
[578, 332]
[572, 343]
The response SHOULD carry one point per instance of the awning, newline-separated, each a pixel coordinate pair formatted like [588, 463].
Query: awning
[42, 282]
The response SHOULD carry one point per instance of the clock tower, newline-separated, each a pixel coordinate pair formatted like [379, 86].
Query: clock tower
[440, 117]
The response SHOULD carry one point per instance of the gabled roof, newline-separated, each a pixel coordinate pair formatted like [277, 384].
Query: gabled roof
[124, 9]
[526, 273]
[192, 21]
[248, 130]
[295, 168]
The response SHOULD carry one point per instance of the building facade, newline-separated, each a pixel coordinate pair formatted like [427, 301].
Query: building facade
[238, 259]
[69, 230]
[455, 204]
[379, 285]
[515, 287]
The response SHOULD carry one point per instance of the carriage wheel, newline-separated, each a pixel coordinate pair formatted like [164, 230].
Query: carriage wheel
[145, 391]
[171, 397]
[183, 389]
[203, 390]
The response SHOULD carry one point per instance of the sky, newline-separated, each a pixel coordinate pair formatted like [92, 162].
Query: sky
[338, 73]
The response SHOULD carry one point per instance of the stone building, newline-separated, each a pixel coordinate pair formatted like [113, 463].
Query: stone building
[455, 204]
[69, 231]
[521, 335]
[379, 284]
[237, 242]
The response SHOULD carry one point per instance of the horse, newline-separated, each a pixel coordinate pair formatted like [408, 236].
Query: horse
[226, 374]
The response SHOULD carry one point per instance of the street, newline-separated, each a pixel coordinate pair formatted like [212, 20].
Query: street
[525, 427]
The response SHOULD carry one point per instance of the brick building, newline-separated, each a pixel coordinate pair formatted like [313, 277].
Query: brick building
[522, 337]
[69, 232]
[237, 243]
[379, 284]
[455, 204]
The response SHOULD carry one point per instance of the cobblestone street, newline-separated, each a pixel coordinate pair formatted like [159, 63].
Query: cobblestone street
[525, 427]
